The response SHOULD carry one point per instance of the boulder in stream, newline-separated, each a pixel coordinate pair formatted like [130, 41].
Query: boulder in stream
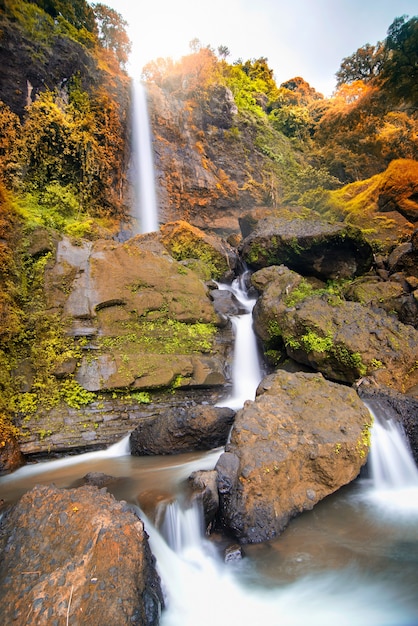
[76, 556]
[182, 429]
[300, 440]
[310, 246]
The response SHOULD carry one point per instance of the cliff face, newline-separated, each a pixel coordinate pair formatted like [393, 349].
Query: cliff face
[213, 162]
[25, 70]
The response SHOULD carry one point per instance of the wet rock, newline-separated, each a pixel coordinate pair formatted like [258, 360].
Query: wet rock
[309, 246]
[204, 484]
[299, 441]
[233, 553]
[76, 555]
[226, 303]
[64, 430]
[182, 429]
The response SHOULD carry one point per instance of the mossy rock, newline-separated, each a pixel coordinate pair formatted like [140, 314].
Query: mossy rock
[309, 246]
[184, 241]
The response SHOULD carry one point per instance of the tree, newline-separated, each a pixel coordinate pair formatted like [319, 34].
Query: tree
[77, 12]
[399, 75]
[223, 52]
[365, 64]
[112, 32]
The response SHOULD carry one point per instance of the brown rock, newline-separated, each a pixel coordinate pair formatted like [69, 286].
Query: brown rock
[299, 441]
[182, 429]
[309, 246]
[11, 458]
[76, 554]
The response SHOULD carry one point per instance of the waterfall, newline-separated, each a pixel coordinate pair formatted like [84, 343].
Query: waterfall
[246, 370]
[145, 214]
[393, 471]
[200, 588]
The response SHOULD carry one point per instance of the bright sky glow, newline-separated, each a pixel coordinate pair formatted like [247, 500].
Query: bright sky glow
[307, 38]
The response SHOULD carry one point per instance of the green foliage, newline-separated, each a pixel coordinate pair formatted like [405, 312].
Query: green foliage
[399, 74]
[364, 64]
[74, 395]
[163, 336]
[312, 342]
[142, 397]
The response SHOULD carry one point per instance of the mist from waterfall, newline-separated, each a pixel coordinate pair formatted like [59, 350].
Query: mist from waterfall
[145, 212]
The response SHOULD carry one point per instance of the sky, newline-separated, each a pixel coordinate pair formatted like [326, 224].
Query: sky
[307, 38]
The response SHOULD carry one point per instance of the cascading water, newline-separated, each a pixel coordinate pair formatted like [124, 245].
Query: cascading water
[343, 563]
[393, 471]
[145, 213]
[246, 370]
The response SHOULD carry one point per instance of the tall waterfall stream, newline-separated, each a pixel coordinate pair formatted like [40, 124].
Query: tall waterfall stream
[352, 560]
[145, 212]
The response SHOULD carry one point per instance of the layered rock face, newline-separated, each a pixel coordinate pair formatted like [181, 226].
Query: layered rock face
[76, 555]
[302, 439]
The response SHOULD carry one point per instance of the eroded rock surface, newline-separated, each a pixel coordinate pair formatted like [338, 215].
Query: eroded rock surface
[76, 555]
[299, 441]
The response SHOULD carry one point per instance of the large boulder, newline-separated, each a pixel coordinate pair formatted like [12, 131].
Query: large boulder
[182, 429]
[76, 555]
[342, 339]
[300, 440]
[346, 341]
[132, 304]
[309, 246]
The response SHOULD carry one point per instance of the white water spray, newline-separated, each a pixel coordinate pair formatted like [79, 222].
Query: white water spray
[145, 213]
[246, 370]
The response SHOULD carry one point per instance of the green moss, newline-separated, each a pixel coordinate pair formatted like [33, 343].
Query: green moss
[163, 336]
[312, 342]
[364, 441]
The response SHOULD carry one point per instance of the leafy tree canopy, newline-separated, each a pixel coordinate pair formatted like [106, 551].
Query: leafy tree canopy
[78, 12]
[364, 64]
[399, 75]
[112, 32]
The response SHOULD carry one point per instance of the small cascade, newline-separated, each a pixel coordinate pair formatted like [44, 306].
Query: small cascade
[246, 369]
[393, 471]
[200, 588]
[119, 449]
[182, 528]
[145, 213]
[392, 464]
